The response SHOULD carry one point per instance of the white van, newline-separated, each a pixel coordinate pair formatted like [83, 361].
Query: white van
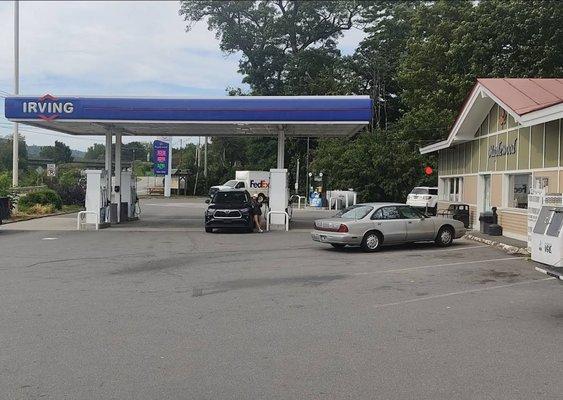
[255, 182]
[424, 197]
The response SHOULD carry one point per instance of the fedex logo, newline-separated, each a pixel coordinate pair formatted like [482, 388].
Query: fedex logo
[48, 108]
[264, 183]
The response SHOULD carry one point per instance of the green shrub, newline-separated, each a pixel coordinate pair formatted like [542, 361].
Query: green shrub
[70, 185]
[43, 197]
[5, 183]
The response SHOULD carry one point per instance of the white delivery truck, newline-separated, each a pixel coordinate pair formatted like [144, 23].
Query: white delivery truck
[254, 181]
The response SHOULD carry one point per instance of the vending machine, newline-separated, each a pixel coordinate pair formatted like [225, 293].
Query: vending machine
[547, 241]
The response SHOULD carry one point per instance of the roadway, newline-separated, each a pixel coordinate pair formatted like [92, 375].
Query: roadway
[159, 309]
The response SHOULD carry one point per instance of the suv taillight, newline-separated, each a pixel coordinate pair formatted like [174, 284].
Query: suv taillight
[342, 228]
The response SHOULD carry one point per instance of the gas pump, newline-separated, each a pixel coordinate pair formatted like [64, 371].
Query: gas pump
[279, 198]
[128, 196]
[97, 195]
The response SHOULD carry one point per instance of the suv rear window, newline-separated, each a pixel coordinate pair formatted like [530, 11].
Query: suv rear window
[230, 197]
[419, 191]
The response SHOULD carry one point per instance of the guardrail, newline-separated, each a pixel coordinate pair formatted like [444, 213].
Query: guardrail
[286, 218]
[81, 220]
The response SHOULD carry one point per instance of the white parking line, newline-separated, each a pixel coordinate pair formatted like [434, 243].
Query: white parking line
[436, 266]
[451, 249]
[439, 296]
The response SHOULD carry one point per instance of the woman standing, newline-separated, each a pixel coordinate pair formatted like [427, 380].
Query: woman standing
[256, 212]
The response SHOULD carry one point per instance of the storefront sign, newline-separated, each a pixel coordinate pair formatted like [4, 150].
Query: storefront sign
[47, 108]
[502, 149]
[160, 157]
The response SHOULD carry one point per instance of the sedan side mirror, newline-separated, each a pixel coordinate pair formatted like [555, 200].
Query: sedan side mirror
[207, 201]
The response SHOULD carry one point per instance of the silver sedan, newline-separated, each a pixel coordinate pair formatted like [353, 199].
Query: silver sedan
[372, 225]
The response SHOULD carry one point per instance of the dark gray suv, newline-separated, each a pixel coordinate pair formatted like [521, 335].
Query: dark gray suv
[229, 209]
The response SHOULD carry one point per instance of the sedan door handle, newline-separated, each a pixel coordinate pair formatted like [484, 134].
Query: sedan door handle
[410, 222]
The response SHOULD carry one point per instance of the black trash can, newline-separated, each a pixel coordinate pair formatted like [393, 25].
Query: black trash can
[495, 230]
[460, 212]
[5, 210]
[486, 219]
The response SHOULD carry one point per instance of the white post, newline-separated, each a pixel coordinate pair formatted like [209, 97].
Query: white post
[297, 178]
[281, 149]
[16, 136]
[108, 169]
[118, 174]
[168, 176]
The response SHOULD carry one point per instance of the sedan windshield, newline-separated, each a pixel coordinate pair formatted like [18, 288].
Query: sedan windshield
[230, 198]
[354, 212]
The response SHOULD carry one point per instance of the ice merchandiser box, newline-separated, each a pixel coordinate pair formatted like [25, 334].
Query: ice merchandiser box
[547, 236]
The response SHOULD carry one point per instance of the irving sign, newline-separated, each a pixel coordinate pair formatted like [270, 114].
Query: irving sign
[502, 149]
[47, 107]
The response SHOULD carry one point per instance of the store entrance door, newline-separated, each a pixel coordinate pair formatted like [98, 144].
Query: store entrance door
[486, 193]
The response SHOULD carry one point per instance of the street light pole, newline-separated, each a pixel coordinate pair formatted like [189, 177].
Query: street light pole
[15, 144]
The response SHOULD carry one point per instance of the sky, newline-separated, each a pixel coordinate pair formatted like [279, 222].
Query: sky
[130, 48]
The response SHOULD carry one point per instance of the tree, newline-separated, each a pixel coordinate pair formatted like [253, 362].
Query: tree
[418, 62]
[135, 151]
[60, 153]
[95, 152]
[6, 154]
[271, 34]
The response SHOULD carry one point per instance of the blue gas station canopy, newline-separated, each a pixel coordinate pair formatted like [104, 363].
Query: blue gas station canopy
[229, 116]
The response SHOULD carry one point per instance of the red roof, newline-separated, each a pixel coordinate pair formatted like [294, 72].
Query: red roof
[523, 95]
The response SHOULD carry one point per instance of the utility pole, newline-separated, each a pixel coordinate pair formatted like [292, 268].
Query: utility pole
[205, 158]
[16, 137]
[307, 174]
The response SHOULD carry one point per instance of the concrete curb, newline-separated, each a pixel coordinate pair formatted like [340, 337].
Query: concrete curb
[502, 246]
[5, 222]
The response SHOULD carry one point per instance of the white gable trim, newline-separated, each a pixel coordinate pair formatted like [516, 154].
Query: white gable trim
[480, 92]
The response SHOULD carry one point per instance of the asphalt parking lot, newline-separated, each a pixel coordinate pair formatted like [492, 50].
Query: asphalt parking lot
[158, 309]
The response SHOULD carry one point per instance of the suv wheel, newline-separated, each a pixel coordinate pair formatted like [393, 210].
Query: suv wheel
[372, 241]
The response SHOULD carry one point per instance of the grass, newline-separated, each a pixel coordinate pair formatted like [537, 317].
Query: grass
[38, 210]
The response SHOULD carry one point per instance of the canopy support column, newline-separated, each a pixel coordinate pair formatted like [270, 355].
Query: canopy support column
[108, 170]
[281, 149]
[118, 174]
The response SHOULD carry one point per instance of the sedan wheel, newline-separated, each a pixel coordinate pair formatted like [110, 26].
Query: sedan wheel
[445, 236]
[372, 241]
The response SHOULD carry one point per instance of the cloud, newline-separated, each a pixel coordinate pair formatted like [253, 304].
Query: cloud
[113, 48]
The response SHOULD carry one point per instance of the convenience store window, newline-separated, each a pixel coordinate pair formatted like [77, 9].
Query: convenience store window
[452, 189]
[518, 190]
